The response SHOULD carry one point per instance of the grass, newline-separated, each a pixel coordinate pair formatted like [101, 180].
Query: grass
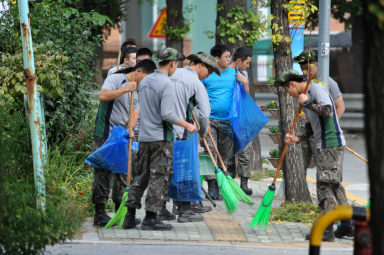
[264, 174]
[304, 212]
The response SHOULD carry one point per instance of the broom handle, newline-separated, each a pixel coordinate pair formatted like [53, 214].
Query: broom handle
[130, 139]
[290, 132]
[118, 61]
[355, 153]
[205, 141]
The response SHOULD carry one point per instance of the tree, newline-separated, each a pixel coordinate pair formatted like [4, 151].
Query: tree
[237, 26]
[296, 188]
[175, 27]
[374, 105]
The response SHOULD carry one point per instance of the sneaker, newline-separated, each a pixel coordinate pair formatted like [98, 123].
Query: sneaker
[155, 224]
[328, 235]
[101, 219]
[345, 229]
[198, 207]
[189, 216]
[166, 215]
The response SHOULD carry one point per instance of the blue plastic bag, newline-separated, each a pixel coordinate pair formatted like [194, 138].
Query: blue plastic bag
[185, 183]
[113, 154]
[247, 118]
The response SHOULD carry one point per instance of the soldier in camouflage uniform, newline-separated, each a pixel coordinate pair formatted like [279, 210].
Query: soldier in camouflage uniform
[114, 111]
[241, 60]
[154, 166]
[320, 111]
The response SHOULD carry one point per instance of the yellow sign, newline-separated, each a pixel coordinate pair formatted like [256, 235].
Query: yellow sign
[296, 16]
[157, 30]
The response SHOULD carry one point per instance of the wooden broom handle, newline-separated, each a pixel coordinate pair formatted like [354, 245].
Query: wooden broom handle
[290, 132]
[355, 153]
[130, 139]
[204, 141]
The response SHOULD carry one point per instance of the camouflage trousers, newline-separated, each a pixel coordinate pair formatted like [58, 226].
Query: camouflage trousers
[222, 134]
[103, 180]
[309, 150]
[243, 167]
[329, 164]
[153, 172]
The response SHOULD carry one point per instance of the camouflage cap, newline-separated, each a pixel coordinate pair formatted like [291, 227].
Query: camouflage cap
[287, 76]
[206, 59]
[168, 54]
[305, 56]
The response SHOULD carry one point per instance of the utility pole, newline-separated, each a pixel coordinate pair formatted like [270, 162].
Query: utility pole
[35, 110]
[323, 46]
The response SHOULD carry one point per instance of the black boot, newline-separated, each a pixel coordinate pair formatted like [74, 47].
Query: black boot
[211, 189]
[345, 229]
[217, 192]
[117, 206]
[130, 220]
[101, 218]
[152, 222]
[198, 207]
[244, 186]
[328, 235]
[165, 214]
[187, 215]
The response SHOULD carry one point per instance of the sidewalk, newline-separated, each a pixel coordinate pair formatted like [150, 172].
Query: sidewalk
[217, 226]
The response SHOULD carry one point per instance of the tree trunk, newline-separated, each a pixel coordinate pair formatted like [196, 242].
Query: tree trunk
[175, 19]
[374, 121]
[256, 163]
[296, 188]
[357, 52]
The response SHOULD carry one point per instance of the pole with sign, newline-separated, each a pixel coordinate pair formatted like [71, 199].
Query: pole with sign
[323, 46]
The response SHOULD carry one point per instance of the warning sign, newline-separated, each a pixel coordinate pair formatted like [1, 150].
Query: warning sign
[157, 30]
[296, 16]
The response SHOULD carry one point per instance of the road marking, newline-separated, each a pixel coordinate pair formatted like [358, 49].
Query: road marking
[350, 196]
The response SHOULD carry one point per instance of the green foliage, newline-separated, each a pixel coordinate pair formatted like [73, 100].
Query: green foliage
[50, 70]
[275, 130]
[304, 212]
[181, 30]
[274, 153]
[344, 11]
[240, 25]
[271, 105]
[264, 174]
[378, 12]
[71, 82]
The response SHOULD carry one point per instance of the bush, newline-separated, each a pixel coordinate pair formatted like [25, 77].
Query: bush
[305, 212]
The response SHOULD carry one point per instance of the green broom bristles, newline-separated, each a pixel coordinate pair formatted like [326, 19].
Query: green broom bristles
[261, 217]
[229, 197]
[239, 193]
[121, 212]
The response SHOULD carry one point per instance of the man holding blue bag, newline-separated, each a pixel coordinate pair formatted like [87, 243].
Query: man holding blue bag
[190, 95]
[114, 111]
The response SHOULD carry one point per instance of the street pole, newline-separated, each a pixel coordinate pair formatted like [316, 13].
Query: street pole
[35, 110]
[323, 46]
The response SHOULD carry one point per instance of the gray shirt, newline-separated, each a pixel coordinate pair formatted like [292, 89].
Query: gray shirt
[334, 88]
[326, 131]
[114, 69]
[115, 112]
[157, 103]
[188, 88]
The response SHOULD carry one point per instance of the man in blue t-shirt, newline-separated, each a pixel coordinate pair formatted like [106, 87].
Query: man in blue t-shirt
[220, 93]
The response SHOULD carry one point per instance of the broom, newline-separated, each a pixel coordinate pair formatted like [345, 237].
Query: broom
[239, 193]
[122, 211]
[229, 197]
[261, 217]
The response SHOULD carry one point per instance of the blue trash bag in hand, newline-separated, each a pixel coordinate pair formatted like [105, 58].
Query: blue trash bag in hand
[113, 154]
[247, 118]
[185, 183]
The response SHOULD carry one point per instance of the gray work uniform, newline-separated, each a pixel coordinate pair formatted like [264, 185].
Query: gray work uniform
[110, 114]
[154, 165]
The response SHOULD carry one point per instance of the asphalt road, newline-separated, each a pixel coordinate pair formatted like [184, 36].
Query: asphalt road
[172, 248]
